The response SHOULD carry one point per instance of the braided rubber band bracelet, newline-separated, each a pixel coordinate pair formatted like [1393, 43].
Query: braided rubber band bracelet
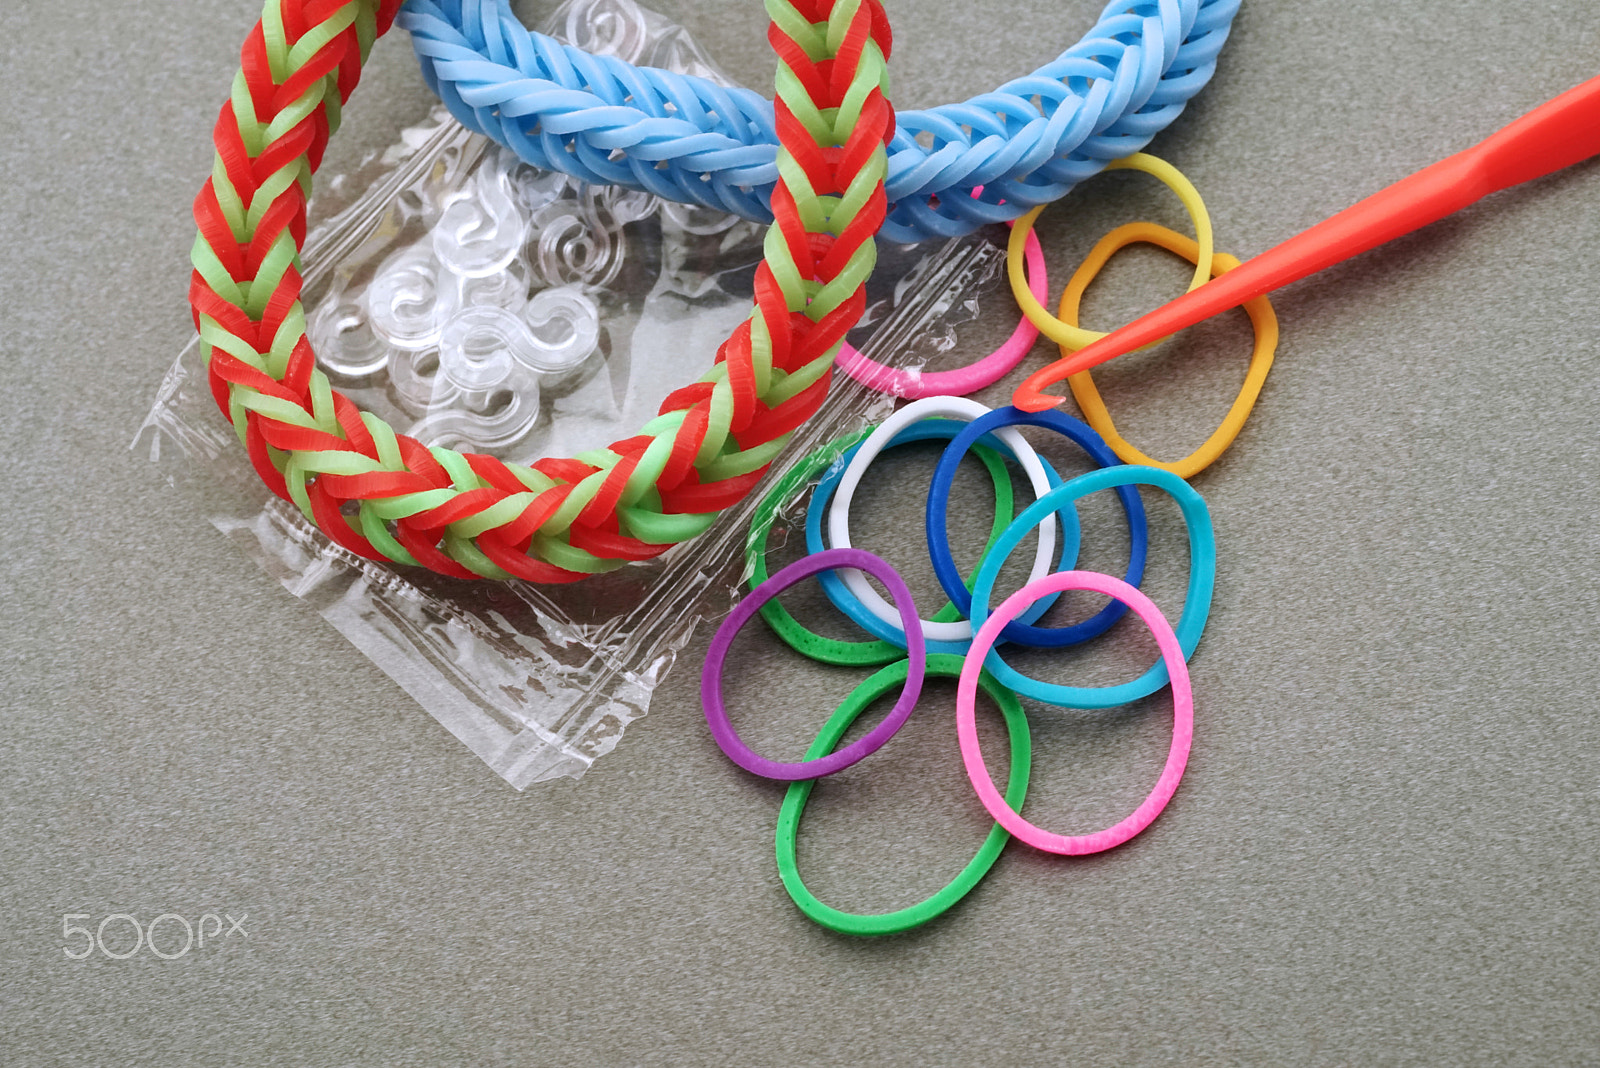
[889, 631]
[944, 565]
[1263, 320]
[690, 139]
[1003, 809]
[963, 409]
[716, 709]
[1196, 603]
[469, 515]
[794, 804]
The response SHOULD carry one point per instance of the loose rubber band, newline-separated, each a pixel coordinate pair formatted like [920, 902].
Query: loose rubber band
[944, 565]
[865, 453]
[1196, 604]
[960, 381]
[794, 804]
[1068, 334]
[803, 641]
[1003, 809]
[830, 462]
[716, 709]
[1263, 320]
[690, 139]
[887, 630]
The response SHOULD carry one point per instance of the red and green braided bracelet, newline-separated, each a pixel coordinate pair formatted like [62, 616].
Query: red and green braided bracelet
[386, 496]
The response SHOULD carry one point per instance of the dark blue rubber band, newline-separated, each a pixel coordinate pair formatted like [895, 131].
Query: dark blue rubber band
[944, 565]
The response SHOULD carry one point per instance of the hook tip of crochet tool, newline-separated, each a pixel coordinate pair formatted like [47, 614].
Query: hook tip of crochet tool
[1033, 400]
[1031, 395]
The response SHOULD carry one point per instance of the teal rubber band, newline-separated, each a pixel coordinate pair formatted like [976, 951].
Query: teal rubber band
[1196, 604]
[794, 803]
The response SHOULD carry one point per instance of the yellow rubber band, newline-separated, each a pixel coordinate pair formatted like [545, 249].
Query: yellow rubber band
[1262, 318]
[1068, 335]
[1199, 251]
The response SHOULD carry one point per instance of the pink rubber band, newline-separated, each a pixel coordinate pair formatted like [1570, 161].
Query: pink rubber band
[1182, 714]
[963, 380]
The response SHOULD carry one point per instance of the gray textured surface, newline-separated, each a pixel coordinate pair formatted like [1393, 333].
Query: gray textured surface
[1384, 851]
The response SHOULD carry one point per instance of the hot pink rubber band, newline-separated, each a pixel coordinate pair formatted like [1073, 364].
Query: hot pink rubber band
[1182, 714]
[962, 380]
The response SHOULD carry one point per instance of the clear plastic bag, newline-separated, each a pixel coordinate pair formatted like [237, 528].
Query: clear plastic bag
[474, 302]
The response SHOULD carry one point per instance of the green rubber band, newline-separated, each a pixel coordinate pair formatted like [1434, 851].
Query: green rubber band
[794, 802]
[658, 528]
[788, 87]
[793, 383]
[855, 272]
[868, 77]
[469, 556]
[408, 504]
[838, 24]
[377, 532]
[456, 466]
[743, 462]
[212, 333]
[317, 38]
[798, 28]
[495, 515]
[388, 447]
[572, 558]
[808, 643]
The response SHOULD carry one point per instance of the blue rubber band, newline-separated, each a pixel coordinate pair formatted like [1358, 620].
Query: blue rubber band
[1196, 604]
[690, 139]
[944, 565]
[850, 605]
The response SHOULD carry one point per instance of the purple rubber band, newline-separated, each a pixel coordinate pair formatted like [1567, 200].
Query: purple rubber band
[711, 675]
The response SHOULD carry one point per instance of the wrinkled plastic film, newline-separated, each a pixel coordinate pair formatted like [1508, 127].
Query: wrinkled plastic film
[475, 302]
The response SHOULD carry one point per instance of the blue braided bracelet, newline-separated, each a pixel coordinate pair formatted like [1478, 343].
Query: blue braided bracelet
[692, 140]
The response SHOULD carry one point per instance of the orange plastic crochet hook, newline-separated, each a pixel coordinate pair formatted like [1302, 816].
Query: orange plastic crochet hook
[1556, 134]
